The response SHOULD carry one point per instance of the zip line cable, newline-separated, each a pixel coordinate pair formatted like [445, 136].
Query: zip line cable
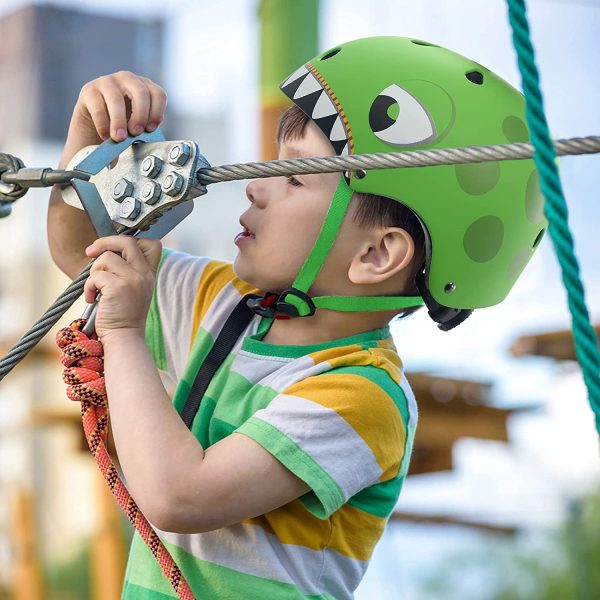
[392, 160]
[18, 178]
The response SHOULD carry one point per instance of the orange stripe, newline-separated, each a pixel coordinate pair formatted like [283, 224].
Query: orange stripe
[366, 408]
[349, 531]
[215, 277]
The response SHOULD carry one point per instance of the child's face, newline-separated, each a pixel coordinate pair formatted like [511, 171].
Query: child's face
[284, 219]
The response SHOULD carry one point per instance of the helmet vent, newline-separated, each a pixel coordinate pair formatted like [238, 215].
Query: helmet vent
[330, 54]
[475, 77]
[422, 43]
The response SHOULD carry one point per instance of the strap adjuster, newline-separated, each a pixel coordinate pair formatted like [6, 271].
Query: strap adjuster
[290, 303]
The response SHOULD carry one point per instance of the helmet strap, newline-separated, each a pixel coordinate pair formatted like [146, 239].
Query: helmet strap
[295, 301]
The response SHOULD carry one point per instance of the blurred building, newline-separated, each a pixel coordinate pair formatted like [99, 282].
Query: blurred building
[48, 54]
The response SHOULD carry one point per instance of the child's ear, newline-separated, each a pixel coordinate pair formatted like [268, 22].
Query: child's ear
[384, 254]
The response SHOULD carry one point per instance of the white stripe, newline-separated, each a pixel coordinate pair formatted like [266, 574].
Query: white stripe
[176, 286]
[324, 107]
[252, 369]
[297, 370]
[250, 549]
[309, 85]
[413, 412]
[327, 438]
[221, 307]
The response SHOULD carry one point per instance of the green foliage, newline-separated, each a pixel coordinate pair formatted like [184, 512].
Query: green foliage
[558, 565]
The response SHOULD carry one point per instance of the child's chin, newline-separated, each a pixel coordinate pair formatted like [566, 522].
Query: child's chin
[246, 274]
[255, 280]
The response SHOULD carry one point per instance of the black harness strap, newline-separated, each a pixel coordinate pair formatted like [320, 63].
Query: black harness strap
[232, 329]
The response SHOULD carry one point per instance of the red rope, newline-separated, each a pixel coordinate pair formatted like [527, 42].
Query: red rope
[84, 373]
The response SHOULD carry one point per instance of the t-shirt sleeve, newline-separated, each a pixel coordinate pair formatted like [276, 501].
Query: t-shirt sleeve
[170, 316]
[339, 432]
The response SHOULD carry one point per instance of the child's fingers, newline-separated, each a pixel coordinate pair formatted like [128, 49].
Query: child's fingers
[138, 93]
[96, 107]
[94, 284]
[115, 105]
[113, 263]
[158, 104]
[124, 245]
[152, 250]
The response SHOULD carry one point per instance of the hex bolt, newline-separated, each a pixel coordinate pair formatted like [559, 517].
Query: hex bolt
[179, 154]
[122, 189]
[151, 192]
[130, 208]
[151, 166]
[172, 184]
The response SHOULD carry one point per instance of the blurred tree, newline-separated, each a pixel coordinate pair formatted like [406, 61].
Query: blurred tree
[559, 565]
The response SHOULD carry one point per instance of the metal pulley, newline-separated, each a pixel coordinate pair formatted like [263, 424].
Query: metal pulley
[131, 183]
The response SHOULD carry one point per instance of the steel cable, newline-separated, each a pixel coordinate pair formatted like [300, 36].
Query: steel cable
[297, 166]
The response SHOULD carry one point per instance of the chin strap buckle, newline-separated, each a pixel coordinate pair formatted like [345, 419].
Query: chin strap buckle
[447, 318]
[290, 303]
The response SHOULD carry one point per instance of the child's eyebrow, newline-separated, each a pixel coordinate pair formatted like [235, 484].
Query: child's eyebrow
[294, 152]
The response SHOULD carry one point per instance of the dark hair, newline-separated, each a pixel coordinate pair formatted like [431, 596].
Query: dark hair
[368, 210]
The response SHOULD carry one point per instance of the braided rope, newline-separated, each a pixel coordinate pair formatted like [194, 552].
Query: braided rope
[586, 342]
[84, 376]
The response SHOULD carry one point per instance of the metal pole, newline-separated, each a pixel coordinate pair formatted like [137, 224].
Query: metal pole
[288, 38]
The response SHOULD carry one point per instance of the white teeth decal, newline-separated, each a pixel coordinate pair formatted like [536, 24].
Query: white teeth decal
[295, 75]
[338, 133]
[308, 86]
[314, 98]
[324, 107]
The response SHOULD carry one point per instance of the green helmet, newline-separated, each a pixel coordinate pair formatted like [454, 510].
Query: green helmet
[482, 222]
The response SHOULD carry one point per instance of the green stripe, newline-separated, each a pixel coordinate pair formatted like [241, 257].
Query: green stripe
[154, 334]
[379, 499]
[207, 580]
[329, 494]
[136, 592]
[255, 398]
[253, 344]
[203, 342]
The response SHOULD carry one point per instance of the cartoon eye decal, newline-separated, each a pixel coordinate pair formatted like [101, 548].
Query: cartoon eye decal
[399, 119]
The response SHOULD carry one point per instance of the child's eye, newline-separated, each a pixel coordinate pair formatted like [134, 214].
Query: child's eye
[293, 181]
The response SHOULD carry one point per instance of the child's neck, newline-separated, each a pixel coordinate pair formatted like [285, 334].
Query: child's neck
[324, 326]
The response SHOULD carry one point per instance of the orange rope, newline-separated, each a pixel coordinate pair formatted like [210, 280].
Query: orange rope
[84, 373]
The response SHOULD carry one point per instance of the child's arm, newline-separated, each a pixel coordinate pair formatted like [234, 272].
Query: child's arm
[178, 485]
[106, 107]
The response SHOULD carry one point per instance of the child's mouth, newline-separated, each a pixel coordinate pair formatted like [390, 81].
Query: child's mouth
[242, 236]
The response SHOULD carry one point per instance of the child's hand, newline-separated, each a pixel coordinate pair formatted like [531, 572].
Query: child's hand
[124, 273]
[113, 105]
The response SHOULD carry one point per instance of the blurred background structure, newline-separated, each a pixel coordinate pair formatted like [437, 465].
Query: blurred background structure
[506, 451]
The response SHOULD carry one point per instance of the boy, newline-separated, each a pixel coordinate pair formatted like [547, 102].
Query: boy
[296, 456]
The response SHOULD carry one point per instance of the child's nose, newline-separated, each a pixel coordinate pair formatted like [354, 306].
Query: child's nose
[256, 192]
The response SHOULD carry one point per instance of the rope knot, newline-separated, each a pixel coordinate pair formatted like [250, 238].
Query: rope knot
[83, 358]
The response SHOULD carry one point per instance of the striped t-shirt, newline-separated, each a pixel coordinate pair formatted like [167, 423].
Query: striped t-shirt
[340, 415]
